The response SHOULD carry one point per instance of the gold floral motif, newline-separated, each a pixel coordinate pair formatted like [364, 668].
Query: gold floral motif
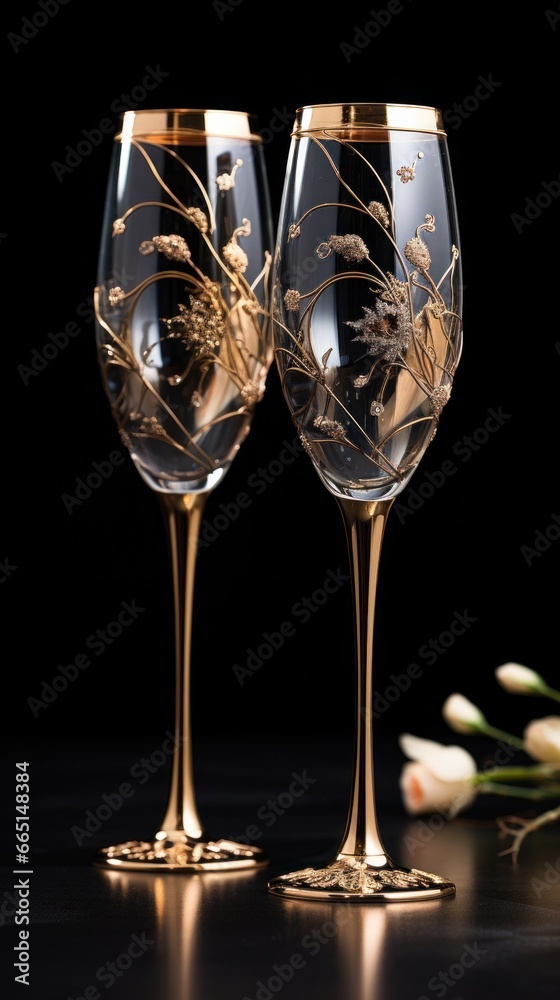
[411, 333]
[351, 247]
[226, 181]
[198, 218]
[180, 854]
[292, 300]
[219, 327]
[115, 295]
[333, 428]
[408, 173]
[173, 247]
[355, 876]
[236, 257]
[380, 213]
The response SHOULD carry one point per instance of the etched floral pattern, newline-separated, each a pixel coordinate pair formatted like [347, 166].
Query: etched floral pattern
[409, 325]
[216, 328]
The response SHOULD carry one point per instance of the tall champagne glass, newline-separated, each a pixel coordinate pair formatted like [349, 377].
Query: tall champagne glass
[366, 306]
[184, 345]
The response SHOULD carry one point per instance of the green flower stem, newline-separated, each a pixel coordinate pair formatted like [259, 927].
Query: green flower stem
[535, 772]
[549, 692]
[499, 734]
[491, 788]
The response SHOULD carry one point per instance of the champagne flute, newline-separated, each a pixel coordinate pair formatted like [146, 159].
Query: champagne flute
[184, 345]
[366, 308]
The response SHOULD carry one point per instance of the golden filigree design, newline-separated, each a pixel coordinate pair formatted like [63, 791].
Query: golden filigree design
[219, 327]
[180, 854]
[411, 331]
[355, 876]
[408, 173]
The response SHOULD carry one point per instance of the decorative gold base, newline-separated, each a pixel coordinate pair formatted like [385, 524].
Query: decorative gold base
[362, 880]
[184, 854]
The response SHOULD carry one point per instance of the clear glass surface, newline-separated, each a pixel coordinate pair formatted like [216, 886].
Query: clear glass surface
[366, 307]
[182, 307]
[181, 296]
[367, 301]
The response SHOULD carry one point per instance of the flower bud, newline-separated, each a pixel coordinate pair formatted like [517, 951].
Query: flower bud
[517, 679]
[542, 739]
[462, 716]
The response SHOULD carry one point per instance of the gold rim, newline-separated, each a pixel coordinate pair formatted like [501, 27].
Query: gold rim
[352, 118]
[187, 125]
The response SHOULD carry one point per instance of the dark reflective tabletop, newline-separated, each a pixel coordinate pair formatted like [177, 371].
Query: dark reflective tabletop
[206, 936]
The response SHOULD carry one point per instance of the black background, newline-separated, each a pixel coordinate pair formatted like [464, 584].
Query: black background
[66, 573]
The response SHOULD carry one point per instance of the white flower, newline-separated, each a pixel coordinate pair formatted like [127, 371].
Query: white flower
[462, 716]
[437, 777]
[517, 679]
[542, 739]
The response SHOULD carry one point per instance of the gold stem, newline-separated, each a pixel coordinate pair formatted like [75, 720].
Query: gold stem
[183, 518]
[365, 527]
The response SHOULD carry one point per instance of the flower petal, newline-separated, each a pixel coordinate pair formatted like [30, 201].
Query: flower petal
[542, 739]
[448, 763]
[518, 679]
[422, 792]
[461, 715]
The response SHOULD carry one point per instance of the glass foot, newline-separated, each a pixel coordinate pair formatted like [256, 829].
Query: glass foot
[362, 880]
[182, 854]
